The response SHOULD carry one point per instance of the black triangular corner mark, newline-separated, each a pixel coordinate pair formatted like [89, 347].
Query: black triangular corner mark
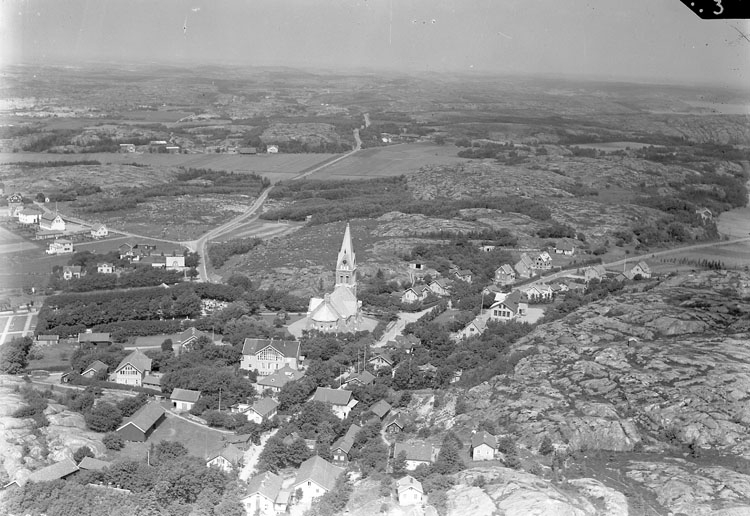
[719, 9]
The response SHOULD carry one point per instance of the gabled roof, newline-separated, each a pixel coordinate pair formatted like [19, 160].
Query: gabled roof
[288, 348]
[137, 359]
[145, 418]
[281, 377]
[230, 453]
[151, 380]
[480, 323]
[267, 485]
[185, 395]
[364, 378]
[319, 471]
[564, 246]
[31, 211]
[50, 216]
[418, 451]
[397, 420]
[264, 406]
[72, 268]
[97, 366]
[484, 437]
[346, 442]
[526, 260]
[99, 227]
[47, 337]
[511, 301]
[332, 396]
[506, 269]
[91, 463]
[442, 282]
[644, 266]
[55, 471]
[408, 482]
[384, 356]
[190, 333]
[381, 408]
[463, 273]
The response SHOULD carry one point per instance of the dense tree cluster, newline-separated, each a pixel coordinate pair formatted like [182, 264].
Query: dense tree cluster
[219, 253]
[14, 355]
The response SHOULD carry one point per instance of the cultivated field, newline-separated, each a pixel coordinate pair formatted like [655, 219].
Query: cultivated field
[12, 326]
[54, 358]
[392, 160]
[614, 146]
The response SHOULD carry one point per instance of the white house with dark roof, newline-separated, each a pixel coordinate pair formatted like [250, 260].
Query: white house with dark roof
[29, 215]
[95, 338]
[315, 477]
[56, 471]
[381, 408]
[226, 459]
[262, 410]
[105, 268]
[594, 272]
[508, 308]
[416, 453]
[639, 269]
[265, 496]
[504, 275]
[409, 491]
[565, 248]
[463, 275]
[415, 294]
[132, 369]
[542, 261]
[380, 360]
[483, 446]
[476, 327]
[268, 356]
[362, 378]
[184, 399]
[72, 271]
[441, 287]
[96, 367]
[99, 231]
[52, 221]
[341, 448]
[341, 400]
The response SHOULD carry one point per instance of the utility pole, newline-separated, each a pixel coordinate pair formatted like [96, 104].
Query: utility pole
[219, 399]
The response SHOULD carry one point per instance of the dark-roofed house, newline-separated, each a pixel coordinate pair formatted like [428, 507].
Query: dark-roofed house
[226, 459]
[566, 248]
[524, 267]
[341, 448]
[363, 378]
[187, 338]
[72, 271]
[315, 477]
[595, 272]
[415, 294]
[262, 410]
[483, 446]
[92, 464]
[96, 367]
[274, 382]
[475, 327]
[464, 275]
[241, 441]
[381, 408]
[52, 221]
[151, 381]
[268, 356]
[409, 491]
[94, 338]
[381, 360]
[55, 471]
[264, 495]
[508, 308]
[47, 340]
[504, 275]
[441, 287]
[396, 424]
[132, 369]
[640, 269]
[184, 399]
[340, 400]
[416, 453]
[140, 425]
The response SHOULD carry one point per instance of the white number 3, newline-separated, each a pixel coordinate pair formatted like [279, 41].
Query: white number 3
[721, 7]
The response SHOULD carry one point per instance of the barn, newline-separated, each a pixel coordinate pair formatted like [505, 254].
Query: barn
[140, 425]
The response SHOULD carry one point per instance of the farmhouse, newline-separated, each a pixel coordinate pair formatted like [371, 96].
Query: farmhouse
[341, 448]
[268, 356]
[140, 425]
[184, 399]
[565, 248]
[105, 268]
[340, 400]
[265, 496]
[272, 149]
[640, 269]
[132, 369]
[441, 287]
[275, 381]
[315, 477]
[381, 409]
[483, 446]
[595, 272]
[409, 491]
[52, 221]
[56, 471]
[99, 231]
[60, 246]
[416, 453]
[508, 308]
[339, 311]
[226, 459]
[29, 216]
[504, 275]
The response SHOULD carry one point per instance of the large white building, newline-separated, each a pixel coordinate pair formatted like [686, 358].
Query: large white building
[339, 311]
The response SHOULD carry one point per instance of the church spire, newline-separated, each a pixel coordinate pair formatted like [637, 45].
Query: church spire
[346, 265]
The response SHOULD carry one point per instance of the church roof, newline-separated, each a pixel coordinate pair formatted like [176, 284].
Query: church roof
[346, 258]
[340, 304]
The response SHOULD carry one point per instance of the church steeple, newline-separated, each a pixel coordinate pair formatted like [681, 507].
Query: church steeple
[346, 265]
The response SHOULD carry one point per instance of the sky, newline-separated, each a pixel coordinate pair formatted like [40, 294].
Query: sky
[641, 40]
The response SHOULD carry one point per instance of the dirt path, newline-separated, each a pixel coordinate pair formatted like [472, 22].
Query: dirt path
[251, 455]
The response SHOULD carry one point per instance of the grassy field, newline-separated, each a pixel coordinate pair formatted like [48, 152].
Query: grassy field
[733, 256]
[54, 358]
[389, 161]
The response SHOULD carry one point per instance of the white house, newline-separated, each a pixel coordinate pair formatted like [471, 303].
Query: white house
[639, 269]
[542, 261]
[29, 216]
[415, 294]
[268, 356]
[538, 293]
[340, 400]
[474, 328]
[483, 446]
[595, 272]
[409, 491]
[565, 248]
[60, 246]
[315, 477]
[99, 231]
[226, 459]
[416, 453]
[508, 308]
[272, 149]
[504, 275]
[175, 263]
[72, 271]
[52, 221]
[184, 399]
[262, 410]
[265, 496]
[132, 369]
[105, 268]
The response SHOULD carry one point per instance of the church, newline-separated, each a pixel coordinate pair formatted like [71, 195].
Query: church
[339, 311]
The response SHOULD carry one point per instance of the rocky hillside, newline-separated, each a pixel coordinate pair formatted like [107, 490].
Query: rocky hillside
[647, 392]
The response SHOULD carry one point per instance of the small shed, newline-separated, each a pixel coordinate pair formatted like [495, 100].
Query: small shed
[140, 425]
